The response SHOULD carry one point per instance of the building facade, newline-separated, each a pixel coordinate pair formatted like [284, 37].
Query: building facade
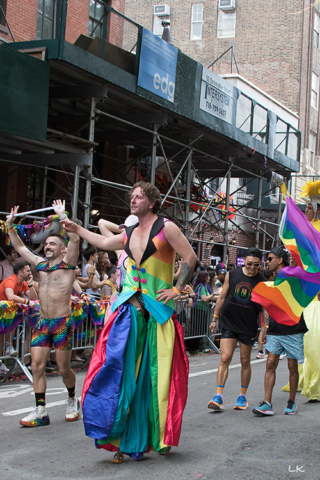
[276, 47]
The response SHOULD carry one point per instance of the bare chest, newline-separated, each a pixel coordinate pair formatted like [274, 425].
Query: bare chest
[138, 243]
[56, 279]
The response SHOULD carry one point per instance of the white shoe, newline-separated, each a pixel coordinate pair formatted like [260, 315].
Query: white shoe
[3, 369]
[73, 410]
[282, 356]
[37, 418]
[11, 352]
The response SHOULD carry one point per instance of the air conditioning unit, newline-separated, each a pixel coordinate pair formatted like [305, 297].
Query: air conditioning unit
[161, 10]
[227, 5]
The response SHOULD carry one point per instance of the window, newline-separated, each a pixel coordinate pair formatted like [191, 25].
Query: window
[95, 18]
[312, 148]
[316, 29]
[314, 90]
[196, 22]
[3, 4]
[226, 24]
[46, 19]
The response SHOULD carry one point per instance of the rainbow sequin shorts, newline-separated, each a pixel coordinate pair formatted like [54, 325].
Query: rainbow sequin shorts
[53, 331]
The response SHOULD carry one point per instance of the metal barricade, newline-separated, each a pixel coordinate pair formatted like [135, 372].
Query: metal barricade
[196, 321]
[15, 347]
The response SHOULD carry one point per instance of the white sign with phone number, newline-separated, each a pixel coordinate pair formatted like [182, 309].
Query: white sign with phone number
[216, 95]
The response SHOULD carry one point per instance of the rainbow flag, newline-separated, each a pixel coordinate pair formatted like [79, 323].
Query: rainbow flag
[294, 287]
[79, 311]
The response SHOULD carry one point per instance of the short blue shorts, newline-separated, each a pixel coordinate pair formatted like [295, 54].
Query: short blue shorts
[291, 345]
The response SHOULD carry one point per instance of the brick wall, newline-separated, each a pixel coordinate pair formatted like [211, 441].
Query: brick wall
[22, 18]
[272, 44]
[77, 19]
[116, 24]
[267, 42]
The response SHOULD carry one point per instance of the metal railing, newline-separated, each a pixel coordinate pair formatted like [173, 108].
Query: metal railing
[195, 321]
[16, 346]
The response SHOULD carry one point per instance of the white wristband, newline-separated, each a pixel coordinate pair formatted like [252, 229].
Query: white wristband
[63, 216]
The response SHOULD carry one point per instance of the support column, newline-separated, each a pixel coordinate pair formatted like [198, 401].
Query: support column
[279, 216]
[188, 186]
[259, 211]
[226, 221]
[264, 237]
[75, 195]
[153, 156]
[86, 217]
[44, 188]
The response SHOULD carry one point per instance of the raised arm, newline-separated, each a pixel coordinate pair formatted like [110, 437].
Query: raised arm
[18, 244]
[108, 228]
[72, 254]
[113, 243]
[189, 259]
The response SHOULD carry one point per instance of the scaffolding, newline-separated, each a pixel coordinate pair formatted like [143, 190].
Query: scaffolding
[93, 103]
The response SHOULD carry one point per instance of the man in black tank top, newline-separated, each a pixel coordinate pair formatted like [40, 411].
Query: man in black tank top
[239, 322]
[281, 339]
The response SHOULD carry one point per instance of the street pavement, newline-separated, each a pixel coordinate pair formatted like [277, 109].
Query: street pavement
[231, 445]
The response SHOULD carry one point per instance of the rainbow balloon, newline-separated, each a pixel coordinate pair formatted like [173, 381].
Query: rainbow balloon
[294, 287]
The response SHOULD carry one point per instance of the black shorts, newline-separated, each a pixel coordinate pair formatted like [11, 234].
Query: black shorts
[245, 339]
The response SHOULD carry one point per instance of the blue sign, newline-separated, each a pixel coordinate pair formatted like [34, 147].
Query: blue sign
[158, 64]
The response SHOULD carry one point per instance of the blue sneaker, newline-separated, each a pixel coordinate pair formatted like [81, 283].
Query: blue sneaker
[216, 404]
[263, 409]
[291, 408]
[241, 403]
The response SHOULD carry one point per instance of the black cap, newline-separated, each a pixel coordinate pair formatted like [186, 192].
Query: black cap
[281, 253]
[253, 252]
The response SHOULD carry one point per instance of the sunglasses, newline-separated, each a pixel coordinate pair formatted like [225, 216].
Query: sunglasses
[255, 264]
[269, 259]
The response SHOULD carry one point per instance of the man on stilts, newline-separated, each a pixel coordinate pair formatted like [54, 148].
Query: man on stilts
[139, 364]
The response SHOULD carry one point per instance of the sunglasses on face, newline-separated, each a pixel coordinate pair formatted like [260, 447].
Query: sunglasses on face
[254, 264]
[270, 258]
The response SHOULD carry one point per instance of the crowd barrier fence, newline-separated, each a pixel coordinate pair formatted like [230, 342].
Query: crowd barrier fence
[195, 322]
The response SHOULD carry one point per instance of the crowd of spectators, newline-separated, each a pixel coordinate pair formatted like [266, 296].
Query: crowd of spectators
[100, 278]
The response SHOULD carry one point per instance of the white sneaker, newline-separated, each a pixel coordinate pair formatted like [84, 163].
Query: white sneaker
[282, 356]
[3, 369]
[10, 351]
[37, 418]
[73, 410]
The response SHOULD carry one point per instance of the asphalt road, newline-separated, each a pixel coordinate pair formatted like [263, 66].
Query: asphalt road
[232, 445]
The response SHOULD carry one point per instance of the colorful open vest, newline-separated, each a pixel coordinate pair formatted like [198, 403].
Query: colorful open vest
[154, 272]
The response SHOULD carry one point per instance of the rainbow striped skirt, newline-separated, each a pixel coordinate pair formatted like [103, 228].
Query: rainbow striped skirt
[136, 387]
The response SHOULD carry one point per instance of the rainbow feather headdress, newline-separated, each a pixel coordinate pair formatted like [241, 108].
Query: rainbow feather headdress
[311, 193]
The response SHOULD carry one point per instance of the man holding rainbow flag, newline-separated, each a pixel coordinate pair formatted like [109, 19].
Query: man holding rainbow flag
[297, 286]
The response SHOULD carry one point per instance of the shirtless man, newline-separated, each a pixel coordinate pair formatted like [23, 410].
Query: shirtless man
[55, 326]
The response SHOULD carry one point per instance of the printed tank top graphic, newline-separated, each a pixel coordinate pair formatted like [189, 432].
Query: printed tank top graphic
[242, 292]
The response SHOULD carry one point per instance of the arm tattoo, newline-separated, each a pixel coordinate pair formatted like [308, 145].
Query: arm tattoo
[185, 275]
[265, 317]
